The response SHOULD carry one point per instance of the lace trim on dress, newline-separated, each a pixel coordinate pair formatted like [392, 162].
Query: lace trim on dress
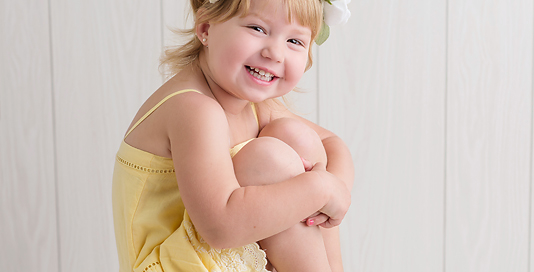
[246, 258]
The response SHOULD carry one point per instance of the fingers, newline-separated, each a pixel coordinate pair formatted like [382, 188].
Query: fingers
[322, 220]
[316, 220]
[311, 216]
[339, 201]
[330, 223]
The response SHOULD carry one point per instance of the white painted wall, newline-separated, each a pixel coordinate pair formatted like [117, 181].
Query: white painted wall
[434, 98]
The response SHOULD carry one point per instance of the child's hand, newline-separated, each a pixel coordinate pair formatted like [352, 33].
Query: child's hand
[316, 219]
[339, 200]
[307, 165]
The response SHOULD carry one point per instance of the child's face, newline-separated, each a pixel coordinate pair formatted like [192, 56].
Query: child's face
[259, 56]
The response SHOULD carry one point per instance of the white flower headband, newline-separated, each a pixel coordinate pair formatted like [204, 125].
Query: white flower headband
[335, 13]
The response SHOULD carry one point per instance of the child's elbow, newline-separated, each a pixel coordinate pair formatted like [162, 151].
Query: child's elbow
[218, 235]
[220, 239]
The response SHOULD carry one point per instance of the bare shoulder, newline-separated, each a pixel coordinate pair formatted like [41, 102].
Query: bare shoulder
[191, 100]
[177, 109]
[193, 111]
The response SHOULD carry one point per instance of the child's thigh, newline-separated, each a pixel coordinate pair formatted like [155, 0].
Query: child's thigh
[302, 138]
[266, 160]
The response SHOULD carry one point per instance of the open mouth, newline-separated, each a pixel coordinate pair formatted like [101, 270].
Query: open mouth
[260, 74]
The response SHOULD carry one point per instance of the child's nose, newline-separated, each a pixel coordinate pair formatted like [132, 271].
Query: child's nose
[273, 51]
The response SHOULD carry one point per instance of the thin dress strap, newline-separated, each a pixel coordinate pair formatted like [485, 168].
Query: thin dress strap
[156, 107]
[255, 113]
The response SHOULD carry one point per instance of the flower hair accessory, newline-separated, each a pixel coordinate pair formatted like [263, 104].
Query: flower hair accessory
[335, 12]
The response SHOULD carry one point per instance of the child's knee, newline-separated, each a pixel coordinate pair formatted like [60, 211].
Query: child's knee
[302, 138]
[266, 160]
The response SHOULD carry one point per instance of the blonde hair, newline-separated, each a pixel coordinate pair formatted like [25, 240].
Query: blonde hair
[308, 12]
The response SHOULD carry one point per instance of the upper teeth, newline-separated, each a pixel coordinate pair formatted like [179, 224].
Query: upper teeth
[260, 74]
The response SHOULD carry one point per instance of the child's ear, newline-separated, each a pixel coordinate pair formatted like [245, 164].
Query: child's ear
[202, 28]
[202, 32]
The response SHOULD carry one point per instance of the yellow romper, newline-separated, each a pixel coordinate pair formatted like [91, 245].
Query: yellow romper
[152, 228]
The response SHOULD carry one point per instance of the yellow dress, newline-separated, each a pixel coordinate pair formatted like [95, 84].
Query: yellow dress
[152, 228]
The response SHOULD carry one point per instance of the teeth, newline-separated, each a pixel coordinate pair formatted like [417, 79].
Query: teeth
[260, 74]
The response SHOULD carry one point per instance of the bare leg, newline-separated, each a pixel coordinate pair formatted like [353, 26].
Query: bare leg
[298, 136]
[274, 157]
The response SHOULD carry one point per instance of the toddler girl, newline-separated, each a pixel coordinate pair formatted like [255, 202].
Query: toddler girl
[215, 175]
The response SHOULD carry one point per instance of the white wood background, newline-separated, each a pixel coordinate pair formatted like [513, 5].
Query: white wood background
[434, 98]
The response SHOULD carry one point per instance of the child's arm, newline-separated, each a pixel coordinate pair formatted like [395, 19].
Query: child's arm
[225, 214]
[341, 165]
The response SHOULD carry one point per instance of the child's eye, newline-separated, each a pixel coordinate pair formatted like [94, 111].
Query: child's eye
[295, 41]
[257, 28]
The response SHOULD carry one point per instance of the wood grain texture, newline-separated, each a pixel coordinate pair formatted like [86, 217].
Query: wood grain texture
[304, 100]
[436, 109]
[106, 59]
[382, 89]
[489, 135]
[28, 237]
[176, 15]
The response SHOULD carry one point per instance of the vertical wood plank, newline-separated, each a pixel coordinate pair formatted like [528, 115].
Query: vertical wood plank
[176, 15]
[488, 135]
[304, 100]
[28, 236]
[106, 59]
[382, 89]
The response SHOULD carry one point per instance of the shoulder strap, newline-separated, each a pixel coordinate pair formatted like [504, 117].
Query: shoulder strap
[255, 113]
[156, 107]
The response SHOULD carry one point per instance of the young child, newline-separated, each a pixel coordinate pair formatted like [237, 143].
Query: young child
[212, 167]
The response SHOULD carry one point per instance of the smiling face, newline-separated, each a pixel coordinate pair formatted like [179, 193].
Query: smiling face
[258, 56]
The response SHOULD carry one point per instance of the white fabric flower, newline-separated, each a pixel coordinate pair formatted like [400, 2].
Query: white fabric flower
[336, 14]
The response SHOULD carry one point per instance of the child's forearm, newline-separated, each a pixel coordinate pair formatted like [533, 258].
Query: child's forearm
[341, 165]
[253, 212]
